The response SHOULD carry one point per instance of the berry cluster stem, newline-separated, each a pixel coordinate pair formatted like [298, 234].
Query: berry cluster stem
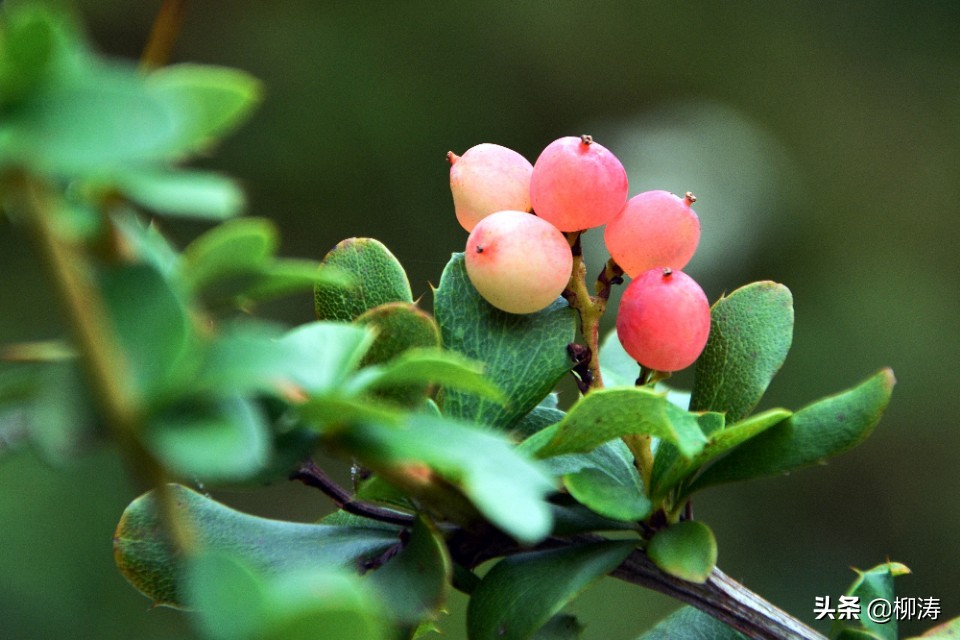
[589, 308]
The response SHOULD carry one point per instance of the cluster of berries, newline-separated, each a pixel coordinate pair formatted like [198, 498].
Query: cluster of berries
[520, 261]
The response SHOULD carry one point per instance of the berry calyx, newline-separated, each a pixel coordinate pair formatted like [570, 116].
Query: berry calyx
[664, 319]
[577, 184]
[488, 178]
[654, 229]
[518, 262]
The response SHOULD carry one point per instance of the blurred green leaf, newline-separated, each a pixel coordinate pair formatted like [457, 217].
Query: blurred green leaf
[35, 44]
[150, 323]
[874, 584]
[237, 246]
[416, 582]
[521, 593]
[819, 431]
[90, 124]
[146, 557]
[51, 404]
[686, 550]
[229, 597]
[432, 366]
[750, 334]
[255, 357]
[148, 244]
[605, 414]
[233, 602]
[198, 194]
[286, 276]
[525, 355]
[504, 486]
[687, 623]
[221, 441]
[949, 630]
[205, 102]
[378, 279]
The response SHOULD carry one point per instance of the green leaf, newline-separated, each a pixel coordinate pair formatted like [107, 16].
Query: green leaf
[609, 484]
[819, 431]
[37, 46]
[378, 279]
[505, 487]
[148, 244]
[670, 468]
[750, 334]
[415, 584]
[525, 355]
[146, 557]
[433, 366]
[537, 420]
[399, 326]
[286, 276]
[233, 602]
[686, 550]
[206, 102]
[560, 627]
[949, 630]
[222, 441]
[877, 583]
[605, 414]
[687, 623]
[616, 366]
[150, 322]
[254, 357]
[51, 403]
[521, 593]
[238, 246]
[197, 194]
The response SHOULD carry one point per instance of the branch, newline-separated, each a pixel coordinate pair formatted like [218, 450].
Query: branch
[313, 476]
[720, 596]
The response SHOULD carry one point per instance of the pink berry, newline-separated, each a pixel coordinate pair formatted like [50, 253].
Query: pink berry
[488, 178]
[655, 229]
[577, 184]
[663, 320]
[518, 262]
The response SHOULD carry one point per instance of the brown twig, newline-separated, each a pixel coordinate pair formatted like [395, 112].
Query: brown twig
[313, 476]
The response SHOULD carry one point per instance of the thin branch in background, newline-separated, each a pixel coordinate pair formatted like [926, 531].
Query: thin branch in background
[313, 476]
[163, 35]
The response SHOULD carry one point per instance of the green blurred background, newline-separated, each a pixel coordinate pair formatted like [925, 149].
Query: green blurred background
[823, 140]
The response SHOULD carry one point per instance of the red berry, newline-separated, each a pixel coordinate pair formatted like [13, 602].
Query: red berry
[577, 184]
[488, 178]
[663, 320]
[518, 262]
[655, 229]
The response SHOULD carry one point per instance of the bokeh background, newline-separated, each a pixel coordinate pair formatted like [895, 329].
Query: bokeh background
[823, 140]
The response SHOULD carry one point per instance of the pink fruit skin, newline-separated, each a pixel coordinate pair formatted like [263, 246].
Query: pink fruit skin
[664, 320]
[488, 178]
[576, 185]
[518, 262]
[654, 229]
